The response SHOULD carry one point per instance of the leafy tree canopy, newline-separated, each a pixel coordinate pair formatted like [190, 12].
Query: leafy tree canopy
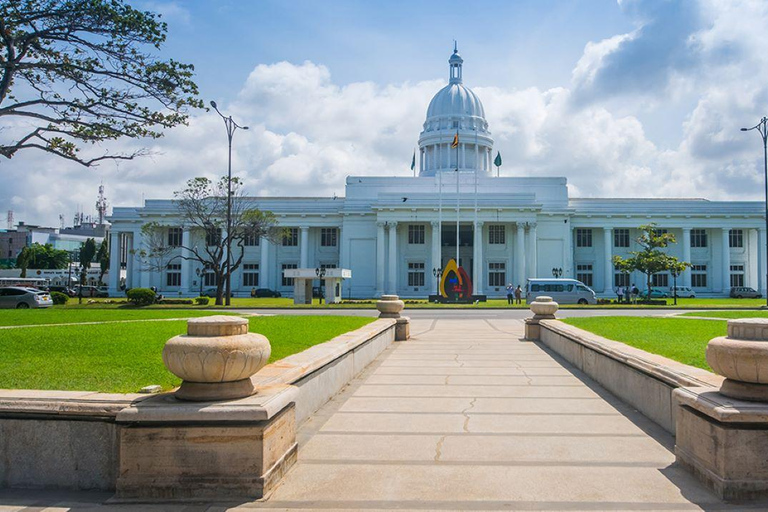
[76, 72]
[40, 256]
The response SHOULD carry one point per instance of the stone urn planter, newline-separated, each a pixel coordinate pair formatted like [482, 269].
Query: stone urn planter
[216, 358]
[543, 308]
[742, 358]
[389, 306]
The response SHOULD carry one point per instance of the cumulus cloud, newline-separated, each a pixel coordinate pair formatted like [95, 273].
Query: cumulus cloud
[307, 133]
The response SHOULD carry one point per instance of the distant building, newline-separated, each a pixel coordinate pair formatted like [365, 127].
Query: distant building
[393, 232]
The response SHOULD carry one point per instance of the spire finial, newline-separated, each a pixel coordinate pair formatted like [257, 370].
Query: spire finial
[455, 47]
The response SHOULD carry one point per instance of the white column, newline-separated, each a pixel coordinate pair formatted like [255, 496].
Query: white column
[130, 279]
[380, 261]
[687, 255]
[304, 247]
[264, 264]
[114, 263]
[144, 273]
[185, 262]
[533, 268]
[520, 255]
[392, 258]
[608, 244]
[726, 252]
[436, 253]
[477, 256]
[762, 265]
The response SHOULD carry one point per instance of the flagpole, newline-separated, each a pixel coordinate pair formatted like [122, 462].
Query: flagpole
[457, 198]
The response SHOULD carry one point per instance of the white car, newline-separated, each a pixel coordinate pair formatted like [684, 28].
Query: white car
[24, 298]
[682, 291]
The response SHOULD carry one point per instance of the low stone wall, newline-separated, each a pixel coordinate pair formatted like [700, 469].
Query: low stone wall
[71, 440]
[643, 380]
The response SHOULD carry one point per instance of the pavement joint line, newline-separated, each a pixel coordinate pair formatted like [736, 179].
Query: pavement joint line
[485, 505]
[529, 385]
[456, 413]
[507, 463]
[477, 434]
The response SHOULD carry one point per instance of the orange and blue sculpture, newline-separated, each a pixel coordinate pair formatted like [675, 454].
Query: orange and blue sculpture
[455, 285]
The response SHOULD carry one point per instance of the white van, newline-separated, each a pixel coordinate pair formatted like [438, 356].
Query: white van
[682, 291]
[562, 291]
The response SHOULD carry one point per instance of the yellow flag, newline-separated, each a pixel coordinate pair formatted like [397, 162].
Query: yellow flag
[455, 142]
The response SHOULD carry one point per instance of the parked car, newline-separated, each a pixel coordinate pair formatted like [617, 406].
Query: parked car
[682, 291]
[563, 291]
[744, 292]
[90, 291]
[655, 294]
[266, 292]
[209, 292]
[66, 290]
[24, 298]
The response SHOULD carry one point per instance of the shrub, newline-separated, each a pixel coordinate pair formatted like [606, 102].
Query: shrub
[175, 301]
[141, 296]
[59, 298]
[202, 301]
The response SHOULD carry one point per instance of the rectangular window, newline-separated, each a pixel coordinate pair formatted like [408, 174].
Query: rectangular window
[699, 276]
[620, 279]
[584, 273]
[660, 280]
[416, 234]
[497, 273]
[737, 275]
[213, 237]
[660, 231]
[173, 275]
[291, 238]
[328, 237]
[621, 238]
[174, 237]
[209, 278]
[288, 281]
[251, 240]
[497, 235]
[416, 273]
[584, 238]
[250, 274]
[698, 238]
[328, 265]
[736, 239]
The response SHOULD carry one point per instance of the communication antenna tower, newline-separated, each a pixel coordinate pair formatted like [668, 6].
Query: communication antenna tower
[101, 204]
[10, 219]
[61, 221]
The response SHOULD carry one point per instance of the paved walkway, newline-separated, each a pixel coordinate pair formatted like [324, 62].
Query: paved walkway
[464, 416]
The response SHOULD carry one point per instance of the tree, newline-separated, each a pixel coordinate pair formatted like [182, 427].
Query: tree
[676, 268]
[203, 207]
[102, 256]
[651, 259]
[87, 252]
[42, 257]
[81, 72]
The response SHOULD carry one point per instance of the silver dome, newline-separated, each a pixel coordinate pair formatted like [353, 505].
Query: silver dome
[455, 100]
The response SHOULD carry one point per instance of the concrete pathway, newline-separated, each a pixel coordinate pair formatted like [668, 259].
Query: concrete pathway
[464, 416]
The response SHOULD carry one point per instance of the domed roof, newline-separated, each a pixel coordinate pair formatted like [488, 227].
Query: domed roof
[455, 100]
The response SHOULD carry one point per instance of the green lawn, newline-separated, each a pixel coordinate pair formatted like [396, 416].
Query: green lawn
[122, 358]
[729, 314]
[285, 302]
[57, 315]
[676, 338]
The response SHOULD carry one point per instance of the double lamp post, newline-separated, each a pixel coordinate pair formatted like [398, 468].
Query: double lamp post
[762, 128]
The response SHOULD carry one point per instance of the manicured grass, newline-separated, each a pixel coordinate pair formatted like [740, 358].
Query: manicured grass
[729, 314]
[122, 358]
[285, 302]
[56, 315]
[680, 339]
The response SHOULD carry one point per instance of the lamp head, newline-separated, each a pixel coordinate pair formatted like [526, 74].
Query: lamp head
[213, 104]
[745, 129]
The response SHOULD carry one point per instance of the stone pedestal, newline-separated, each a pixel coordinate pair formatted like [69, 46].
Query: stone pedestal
[543, 308]
[390, 306]
[178, 450]
[723, 442]
[722, 435]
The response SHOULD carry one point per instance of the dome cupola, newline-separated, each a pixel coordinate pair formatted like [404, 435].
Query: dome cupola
[455, 109]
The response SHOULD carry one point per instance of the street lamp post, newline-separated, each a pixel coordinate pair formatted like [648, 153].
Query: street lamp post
[438, 273]
[557, 272]
[320, 272]
[231, 126]
[762, 128]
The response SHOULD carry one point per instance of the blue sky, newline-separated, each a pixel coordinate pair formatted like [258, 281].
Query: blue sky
[624, 98]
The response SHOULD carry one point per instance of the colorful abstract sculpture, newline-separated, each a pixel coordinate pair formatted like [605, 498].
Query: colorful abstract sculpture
[455, 284]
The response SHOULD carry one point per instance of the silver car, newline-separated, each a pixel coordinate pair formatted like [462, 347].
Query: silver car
[24, 298]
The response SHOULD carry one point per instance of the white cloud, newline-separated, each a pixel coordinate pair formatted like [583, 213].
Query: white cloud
[307, 132]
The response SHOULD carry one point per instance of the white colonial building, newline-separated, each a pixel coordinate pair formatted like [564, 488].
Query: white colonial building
[393, 231]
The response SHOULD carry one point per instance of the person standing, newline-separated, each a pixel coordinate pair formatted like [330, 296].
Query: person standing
[518, 295]
[633, 293]
[510, 294]
[620, 293]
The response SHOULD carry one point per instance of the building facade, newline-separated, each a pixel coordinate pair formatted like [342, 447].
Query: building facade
[395, 232]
